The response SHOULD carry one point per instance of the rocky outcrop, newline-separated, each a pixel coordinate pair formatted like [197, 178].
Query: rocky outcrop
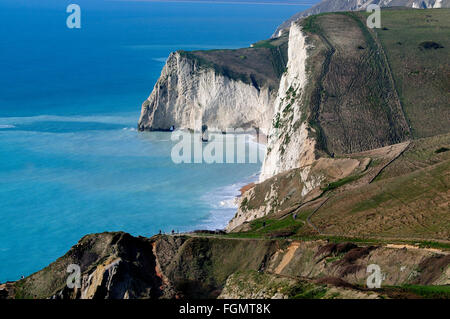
[257, 285]
[224, 89]
[356, 5]
[111, 265]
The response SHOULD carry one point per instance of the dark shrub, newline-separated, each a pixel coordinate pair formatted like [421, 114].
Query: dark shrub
[428, 45]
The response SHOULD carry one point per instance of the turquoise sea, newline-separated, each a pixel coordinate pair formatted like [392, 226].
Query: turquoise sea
[71, 160]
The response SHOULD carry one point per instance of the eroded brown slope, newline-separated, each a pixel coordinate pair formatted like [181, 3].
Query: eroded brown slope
[117, 265]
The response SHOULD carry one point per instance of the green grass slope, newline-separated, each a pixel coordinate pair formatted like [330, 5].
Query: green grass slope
[411, 206]
[260, 65]
[417, 45]
[353, 105]
[405, 199]
[409, 199]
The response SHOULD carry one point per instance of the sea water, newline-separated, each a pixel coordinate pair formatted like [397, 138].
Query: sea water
[71, 159]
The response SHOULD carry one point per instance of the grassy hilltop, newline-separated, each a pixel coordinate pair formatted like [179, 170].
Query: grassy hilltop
[417, 44]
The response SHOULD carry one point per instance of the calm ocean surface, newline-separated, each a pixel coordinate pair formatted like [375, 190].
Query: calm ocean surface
[71, 161]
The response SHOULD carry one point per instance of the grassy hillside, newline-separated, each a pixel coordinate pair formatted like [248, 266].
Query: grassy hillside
[260, 65]
[409, 199]
[353, 105]
[417, 45]
[403, 197]
[414, 205]
[421, 153]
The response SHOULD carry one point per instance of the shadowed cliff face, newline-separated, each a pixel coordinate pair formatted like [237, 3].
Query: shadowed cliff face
[117, 265]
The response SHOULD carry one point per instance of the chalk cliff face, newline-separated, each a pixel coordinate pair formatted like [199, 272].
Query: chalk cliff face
[356, 5]
[189, 95]
[289, 145]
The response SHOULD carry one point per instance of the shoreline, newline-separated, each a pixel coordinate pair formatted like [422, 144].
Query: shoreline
[241, 187]
[223, 204]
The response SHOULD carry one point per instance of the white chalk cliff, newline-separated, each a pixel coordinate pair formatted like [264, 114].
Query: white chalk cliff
[188, 96]
[289, 145]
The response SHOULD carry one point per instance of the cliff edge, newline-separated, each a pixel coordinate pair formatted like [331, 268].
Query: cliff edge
[222, 89]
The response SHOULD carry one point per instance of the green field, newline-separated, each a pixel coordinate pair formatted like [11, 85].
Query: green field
[422, 75]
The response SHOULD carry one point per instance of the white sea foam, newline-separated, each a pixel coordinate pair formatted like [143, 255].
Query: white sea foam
[184, 46]
[3, 126]
[223, 204]
[162, 60]
[228, 203]
[253, 140]
[125, 119]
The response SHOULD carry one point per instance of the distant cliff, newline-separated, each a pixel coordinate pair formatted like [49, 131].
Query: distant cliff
[218, 88]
